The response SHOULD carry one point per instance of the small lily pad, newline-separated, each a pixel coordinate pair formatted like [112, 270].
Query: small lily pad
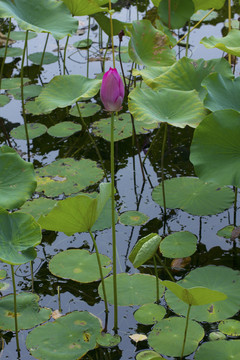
[21, 35]
[230, 327]
[83, 44]
[34, 130]
[3, 274]
[29, 91]
[108, 340]
[13, 83]
[4, 100]
[226, 232]
[86, 109]
[221, 350]
[79, 265]
[11, 52]
[178, 245]
[49, 58]
[149, 314]
[148, 355]
[38, 207]
[198, 15]
[64, 129]
[216, 335]
[133, 218]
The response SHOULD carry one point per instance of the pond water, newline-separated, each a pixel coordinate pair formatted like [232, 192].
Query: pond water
[132, 193]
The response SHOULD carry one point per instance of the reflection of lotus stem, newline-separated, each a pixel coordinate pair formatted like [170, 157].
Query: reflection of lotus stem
[188, 35]
[156, 275]
[15, 308]
[151, 145]
[114, 252]
[22, 94]
[44, 50]
[5, 52]
[100, 270]
[185, 332]
[165, 267]
[111, 25]
[64, 57]
[32, 277]
[162, 167]
[229, 26]
[88, 33]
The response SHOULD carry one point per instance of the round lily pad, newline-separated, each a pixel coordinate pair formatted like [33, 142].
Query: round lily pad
[216, 335]
[178, 245]
[4, 100]
[226, 232]
[148, 355]
[21, 35]
[133, 218]
[11, 52]
[83, 44]
[108, 340]
[3, 274]
[68, 338]
[221, 350]
[149, 314]
[67, 176]
[29, 91]
[38, 207]
[13, 83]
[194, 196]
[64, 129]
[79, 265]
[136, 289]
[34, 130]
[29, 314]
[162, 335]
[217, 278]
[86, 109]
[198, 15]
[49, 58]
[230, 327]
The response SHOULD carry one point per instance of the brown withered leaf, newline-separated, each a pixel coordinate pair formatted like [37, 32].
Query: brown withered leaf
[56, 314]
[3, 39]
[180, 264]
[235, 233]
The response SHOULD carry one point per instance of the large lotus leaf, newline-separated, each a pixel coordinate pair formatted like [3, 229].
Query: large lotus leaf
[17, 179]
[34, 130]
[78, 213]
[215, 149]
[194, 196]
[83, 7]
[67, 176]
[150, 73]
[122, 127]
[29, 314]
[42, 16]
[188, 74]
[178, 108]
[221, 350]
[149, 46]
[136, 289]
[229, 44]
[38, 207]
[79, 265]
[144, 249]
[179, 245]
[65, 90]
[104, 23]
[181, 11]
[162, 335]
[208, 4]
[217, 278]
[222, 92]
[19, 233]
[68, 338]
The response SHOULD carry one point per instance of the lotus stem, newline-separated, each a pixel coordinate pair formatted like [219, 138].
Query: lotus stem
[165, 267]
[100, 271]
[162, 168]
[32, 276]
[111, 25]
[169, 14]
[138, 148]
[22, 95]
[114, 251]
[152, 143]
[59, 299]
[88, 34]
[185, 332]
[229, 27]
[157, 282]
[64, 57]
[44, 50]
[15, 308]
[5, 52]
[235, 206]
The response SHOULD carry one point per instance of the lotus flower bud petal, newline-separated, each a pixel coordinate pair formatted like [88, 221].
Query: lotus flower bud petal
[112, 90]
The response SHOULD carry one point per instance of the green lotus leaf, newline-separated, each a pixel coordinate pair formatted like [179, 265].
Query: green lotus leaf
[148, 354]
[68, 338]
[216, 335]
[133, 218]
[125, 58]
[144, 249]
[36, 58]
[21, 35]
[150, 73]
[161, 336]
[108, 340]
[104, 23]
[29, 314]
[65, 90]
[221, 350]
[13, 83]
[136, 289]
[181, 11]
[11, 51]
[83, 7]
[79, 265]
[228, 44]
[230, 327]
[29, 91]
[44, 16]
[34, 130]
[194, 196]
[175, 107]
[67, 176]
[4, 100]
[83, 44]
[64, 129]
[38, 207]
[149, 314]
[208, 4]
[86, 109]
[3, 274]
[17, 179]
[178, 245]
[226, 232]
[198, 15]
[218, 278]
[215, 149]
[149, 46]
[18, 235]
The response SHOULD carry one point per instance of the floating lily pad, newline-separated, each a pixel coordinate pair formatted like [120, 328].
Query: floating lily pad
[13, 83]
[83, 44]
[218, 278]
[149, 314]
[21, 35]
[38, 207]
[67, 338]
[11, 52]
[148, 355]
[29, 314]
[194, 196]
[133, 218]
[64, 129]
[4, 100]
[34, 130]
[216, 335]
[136, 289]
[178, 245]
[230, 327]
[162, 335]
[86, 109]
[49, 58]
[67, 176]
[198, 15]
[144, 249]
[228, 44]
[3, 274]
[79, 265]
[29, 91]
[108, 340]
[122, 127]
[221, 350]
[226, 232]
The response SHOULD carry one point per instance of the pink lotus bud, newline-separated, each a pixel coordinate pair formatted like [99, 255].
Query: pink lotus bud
[112, 90]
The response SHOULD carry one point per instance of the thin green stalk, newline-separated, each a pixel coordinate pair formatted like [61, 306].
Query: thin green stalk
[100, 271]
[235, 206]
[64, 57]
[120, 60]
[15, 307]
[114, 251]
[44, 50]
[5, 52]
[111, 25]
[185, 332]
[162, 167]
[151, 145]
[92, 140]
[32, 276]
[88, 34]
[229, 27]
[104, 56]
[188, 35]
[169, 14]
[138, 148]
[157, 282]
[165, 267]
[59, 299]
[22, 95]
